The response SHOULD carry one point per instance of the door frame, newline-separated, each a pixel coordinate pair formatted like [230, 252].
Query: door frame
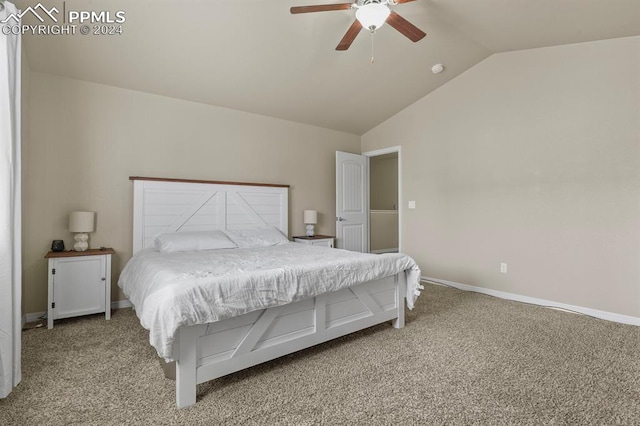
[375, 153]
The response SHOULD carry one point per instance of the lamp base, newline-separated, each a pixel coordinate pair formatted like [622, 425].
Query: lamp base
[81, 241]
[310, 230]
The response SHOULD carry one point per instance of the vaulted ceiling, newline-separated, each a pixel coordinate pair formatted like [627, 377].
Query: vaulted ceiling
[254, 56]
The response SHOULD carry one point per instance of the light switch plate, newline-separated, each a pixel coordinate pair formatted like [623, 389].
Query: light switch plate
[412, 204]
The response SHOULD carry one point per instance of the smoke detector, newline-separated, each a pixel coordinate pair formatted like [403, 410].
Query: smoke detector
[437, 68]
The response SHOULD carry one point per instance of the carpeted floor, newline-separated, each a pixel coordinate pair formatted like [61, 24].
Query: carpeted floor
[463, 358]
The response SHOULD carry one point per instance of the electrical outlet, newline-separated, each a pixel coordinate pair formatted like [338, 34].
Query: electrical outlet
[412, 204]
[503, 268]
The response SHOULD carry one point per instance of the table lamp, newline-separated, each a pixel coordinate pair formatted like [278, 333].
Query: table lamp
[310, 219]
[81, 223]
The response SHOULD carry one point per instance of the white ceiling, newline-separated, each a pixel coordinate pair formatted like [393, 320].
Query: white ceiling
[254, 56]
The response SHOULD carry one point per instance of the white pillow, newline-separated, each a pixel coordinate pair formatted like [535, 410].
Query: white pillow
[192, 241]
[257, 237]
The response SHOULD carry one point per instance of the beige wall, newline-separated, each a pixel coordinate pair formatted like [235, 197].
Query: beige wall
[530, 158]
[383, 181]
[87, 139]
[383, 229]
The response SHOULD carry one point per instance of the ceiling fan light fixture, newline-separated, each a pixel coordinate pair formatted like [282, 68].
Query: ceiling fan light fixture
[372, 15]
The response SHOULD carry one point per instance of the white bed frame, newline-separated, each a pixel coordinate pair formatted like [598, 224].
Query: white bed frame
[208, 351]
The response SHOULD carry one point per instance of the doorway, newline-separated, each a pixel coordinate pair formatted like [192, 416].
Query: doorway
[383, 203]
[384, 200]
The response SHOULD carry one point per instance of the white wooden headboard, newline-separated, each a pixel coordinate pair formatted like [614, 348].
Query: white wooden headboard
[178, 205]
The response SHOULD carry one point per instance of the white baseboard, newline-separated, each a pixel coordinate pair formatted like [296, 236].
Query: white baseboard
[121, 304]
[35, 316]
[387, 250]
[609, 316]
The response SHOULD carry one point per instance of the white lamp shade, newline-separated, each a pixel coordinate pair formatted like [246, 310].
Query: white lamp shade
[310, 217]
[372, 15]
[82, 221]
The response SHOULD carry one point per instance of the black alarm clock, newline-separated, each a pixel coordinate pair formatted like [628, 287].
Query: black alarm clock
[57, 245]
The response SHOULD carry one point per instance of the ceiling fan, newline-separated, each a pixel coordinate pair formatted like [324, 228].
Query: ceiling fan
[370, 14]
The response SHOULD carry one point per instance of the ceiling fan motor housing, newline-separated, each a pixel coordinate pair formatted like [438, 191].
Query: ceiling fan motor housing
[360, 3]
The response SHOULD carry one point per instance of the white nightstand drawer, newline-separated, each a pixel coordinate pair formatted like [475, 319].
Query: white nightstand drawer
[318, 240]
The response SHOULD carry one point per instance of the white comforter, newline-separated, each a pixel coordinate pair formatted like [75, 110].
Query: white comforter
[170, 290]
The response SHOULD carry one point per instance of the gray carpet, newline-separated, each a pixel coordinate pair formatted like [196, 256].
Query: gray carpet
[463, 358]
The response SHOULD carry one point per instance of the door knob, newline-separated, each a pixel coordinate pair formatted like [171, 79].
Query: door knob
[340, 219]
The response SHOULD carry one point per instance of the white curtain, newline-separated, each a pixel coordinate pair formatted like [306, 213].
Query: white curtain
[10, 209]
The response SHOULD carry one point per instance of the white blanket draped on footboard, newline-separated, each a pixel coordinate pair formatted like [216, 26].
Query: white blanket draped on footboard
[173, 290]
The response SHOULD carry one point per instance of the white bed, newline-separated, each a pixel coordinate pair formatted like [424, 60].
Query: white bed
[207, 345]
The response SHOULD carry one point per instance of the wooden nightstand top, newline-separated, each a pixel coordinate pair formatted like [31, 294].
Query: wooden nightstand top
[72, 253]
[315, 237]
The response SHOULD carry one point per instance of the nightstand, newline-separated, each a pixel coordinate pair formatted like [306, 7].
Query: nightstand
[316, 240]
[79, 283]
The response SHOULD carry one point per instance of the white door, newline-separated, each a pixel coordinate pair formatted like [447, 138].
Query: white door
[352, 205]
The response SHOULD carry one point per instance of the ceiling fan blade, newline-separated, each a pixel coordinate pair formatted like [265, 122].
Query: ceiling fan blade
[405, 27]
[320, 8]
[351, 34]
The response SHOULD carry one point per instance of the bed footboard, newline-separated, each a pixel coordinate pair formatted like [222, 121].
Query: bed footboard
[206, 352]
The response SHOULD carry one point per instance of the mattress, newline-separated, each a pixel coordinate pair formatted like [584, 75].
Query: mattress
[171, 290]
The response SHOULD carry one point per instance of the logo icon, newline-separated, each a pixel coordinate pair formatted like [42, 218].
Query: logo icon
[34, 11]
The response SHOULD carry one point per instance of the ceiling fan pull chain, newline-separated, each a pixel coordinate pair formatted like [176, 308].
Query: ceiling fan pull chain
[372, 58]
